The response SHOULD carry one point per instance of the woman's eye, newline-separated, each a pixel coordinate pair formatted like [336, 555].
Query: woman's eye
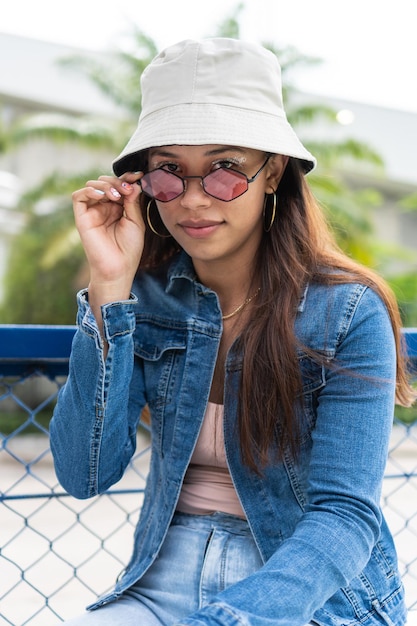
[225, 164]
[169, 167]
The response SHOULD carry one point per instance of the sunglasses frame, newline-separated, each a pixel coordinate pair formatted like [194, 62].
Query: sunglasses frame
[183, 179]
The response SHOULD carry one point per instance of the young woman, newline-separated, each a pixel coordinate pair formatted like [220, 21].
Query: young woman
[268, 360]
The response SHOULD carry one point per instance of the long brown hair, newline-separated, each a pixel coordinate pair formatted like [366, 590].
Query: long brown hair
[298, 249]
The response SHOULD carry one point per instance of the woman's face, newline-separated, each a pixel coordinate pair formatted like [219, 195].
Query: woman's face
[208, 229]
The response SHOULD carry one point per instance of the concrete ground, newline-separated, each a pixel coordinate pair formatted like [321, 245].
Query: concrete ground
[58, 554]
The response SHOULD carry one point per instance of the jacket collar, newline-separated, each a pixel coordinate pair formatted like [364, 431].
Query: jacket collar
[181, 267]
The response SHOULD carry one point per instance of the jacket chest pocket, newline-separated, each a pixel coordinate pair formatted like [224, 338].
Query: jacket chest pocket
[162, 353]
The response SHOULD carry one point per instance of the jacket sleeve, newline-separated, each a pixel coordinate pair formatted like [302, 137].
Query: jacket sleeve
[93, 428]
[333, 540]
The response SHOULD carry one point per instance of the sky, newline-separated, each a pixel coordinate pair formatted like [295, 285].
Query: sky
[368, 47]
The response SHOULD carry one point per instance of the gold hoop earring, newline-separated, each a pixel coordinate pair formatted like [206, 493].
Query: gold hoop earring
[274, 209]
[148, 219]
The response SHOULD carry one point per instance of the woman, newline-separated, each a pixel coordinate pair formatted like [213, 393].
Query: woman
[268, 360]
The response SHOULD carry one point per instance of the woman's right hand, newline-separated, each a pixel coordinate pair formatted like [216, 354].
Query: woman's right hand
[111, 228]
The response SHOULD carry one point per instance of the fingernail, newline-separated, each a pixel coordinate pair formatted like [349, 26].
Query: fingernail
[126, 185]
[99, 191]
[115, 193]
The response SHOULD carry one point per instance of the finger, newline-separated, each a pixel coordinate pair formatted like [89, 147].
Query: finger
[111, 184]
[132, 177]
[107, 191]
[116, 188]
[131, 203]
[126, 185]
[93, 204]
[88, 195]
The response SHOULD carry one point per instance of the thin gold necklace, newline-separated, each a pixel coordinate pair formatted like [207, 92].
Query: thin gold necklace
[241, 306]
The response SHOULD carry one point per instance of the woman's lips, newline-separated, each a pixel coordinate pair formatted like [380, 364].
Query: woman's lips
[199, 230]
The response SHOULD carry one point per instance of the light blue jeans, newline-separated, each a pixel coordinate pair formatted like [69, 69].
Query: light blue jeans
[201, 556]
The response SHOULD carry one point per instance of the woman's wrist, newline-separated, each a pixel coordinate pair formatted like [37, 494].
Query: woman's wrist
[105, 293]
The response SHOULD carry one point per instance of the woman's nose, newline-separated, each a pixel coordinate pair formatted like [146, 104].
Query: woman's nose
[194, 191]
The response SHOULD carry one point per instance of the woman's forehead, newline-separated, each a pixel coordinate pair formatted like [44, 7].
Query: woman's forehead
[207, 150]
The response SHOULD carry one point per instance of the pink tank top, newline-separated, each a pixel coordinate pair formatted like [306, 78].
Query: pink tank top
[208, 486]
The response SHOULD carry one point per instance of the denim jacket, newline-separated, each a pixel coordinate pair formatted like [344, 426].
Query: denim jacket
[328, 554]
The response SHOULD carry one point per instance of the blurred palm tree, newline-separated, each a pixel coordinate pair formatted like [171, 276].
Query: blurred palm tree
[46, 265]
[47, 259]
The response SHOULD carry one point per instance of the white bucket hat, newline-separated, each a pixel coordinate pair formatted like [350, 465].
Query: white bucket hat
[215, 91]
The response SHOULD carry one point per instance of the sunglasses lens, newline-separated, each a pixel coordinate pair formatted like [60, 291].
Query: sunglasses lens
[162, 185]
[225, 184]
[222, 184]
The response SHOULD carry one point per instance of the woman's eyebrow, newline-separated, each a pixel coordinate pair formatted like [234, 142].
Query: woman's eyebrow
[222, 149]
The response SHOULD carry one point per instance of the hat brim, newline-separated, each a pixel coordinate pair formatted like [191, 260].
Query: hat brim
[206, 124]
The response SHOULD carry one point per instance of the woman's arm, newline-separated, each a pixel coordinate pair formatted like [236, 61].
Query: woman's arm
[93, 430]
[111, 228]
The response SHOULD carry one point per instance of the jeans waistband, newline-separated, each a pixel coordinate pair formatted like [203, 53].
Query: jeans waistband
[218, 520]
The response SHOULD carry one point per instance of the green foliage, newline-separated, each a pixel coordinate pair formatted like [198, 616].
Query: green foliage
[117, 75]
[35, 292]
[409, 203]
[230, 27]
[47, 262]
[406, 415]
[10, 422]
[93, 133]
[4, 135]
[405, 288]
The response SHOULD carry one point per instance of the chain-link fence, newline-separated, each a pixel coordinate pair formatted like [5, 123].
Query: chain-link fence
[58, 553]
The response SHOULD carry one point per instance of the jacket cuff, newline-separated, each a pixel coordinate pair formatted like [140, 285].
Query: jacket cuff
[118, 317]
